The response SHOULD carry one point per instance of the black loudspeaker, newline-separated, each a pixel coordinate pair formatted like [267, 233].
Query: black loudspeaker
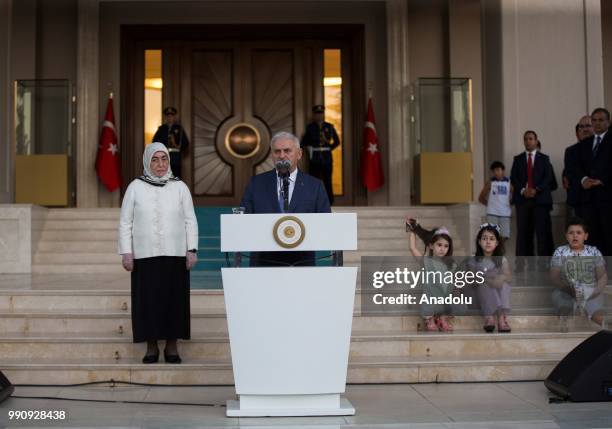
[6, 388]
[585, 374]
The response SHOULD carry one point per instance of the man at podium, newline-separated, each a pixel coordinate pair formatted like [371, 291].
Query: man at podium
[285, 189]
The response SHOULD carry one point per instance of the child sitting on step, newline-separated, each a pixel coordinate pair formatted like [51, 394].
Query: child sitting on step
[494, 293]
[438, 259]
[579, 273]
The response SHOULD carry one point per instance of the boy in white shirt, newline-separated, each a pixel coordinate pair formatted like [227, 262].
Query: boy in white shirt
[579, 273]
[496, 196]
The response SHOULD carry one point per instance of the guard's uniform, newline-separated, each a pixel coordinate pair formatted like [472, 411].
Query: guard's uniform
[319, 141]
[175, 139]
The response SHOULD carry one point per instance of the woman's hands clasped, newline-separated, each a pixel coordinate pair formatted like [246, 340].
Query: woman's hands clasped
[127, 260]
[192, 258]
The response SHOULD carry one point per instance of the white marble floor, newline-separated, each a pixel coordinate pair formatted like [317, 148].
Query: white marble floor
[431, 406]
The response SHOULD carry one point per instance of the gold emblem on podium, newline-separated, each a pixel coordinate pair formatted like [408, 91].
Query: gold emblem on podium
[289, 232]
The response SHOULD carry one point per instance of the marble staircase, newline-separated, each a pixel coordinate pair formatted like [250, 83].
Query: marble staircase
[70, 321]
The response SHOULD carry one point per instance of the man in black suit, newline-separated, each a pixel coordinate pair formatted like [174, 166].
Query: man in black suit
[533, 179]
[593, 171]
[571, 181]
[265, 193]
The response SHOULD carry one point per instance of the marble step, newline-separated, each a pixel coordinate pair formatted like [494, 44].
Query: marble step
[522, 299]
[95, 300]
[395, 243]
[81, 224]
[110, 246]
[420, 212]
[396, 232]
[74, 268]
[103, 246]
[378, 369]
[459, 344]
[79, 235]
[119, 322]
[399, 223]
[80, 214]
[65, 258]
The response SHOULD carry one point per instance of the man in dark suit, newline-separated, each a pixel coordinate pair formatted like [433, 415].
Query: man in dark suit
[265, 193]
[571, 181]
[533, 179]
[319, 140]
[593, 171]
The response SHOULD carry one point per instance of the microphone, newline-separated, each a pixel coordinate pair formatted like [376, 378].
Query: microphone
[283, 166]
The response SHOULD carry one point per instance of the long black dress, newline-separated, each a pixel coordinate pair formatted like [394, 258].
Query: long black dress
[160, 299]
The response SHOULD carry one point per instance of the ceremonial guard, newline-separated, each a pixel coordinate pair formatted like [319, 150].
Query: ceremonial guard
[319, 140]
[173, 136]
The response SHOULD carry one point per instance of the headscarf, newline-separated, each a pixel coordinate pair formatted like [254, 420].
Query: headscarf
[148, 176]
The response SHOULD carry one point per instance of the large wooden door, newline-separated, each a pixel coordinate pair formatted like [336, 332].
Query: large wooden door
[234, 91]
[240, 96]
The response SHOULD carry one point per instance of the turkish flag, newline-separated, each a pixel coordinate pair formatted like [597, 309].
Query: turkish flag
[371, 164]
[107, 161]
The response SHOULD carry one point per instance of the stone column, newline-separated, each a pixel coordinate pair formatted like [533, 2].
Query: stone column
[465, 60]
[88, 117]
[6, 117]
[593, 46]
[399, 174]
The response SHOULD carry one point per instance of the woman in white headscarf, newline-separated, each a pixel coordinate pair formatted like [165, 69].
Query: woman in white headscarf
[158, 241]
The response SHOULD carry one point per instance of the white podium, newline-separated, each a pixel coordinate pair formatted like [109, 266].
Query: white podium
[289, 327]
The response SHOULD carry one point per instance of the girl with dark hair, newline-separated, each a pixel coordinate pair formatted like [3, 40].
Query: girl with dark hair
[438, 260]
[494, 293]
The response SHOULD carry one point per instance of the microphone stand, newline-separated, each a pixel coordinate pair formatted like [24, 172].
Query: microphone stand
[285, 177]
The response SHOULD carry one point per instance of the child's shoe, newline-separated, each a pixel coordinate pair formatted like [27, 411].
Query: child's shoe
[502, 324]
[489, 324]
[429, 324]
[444, 324]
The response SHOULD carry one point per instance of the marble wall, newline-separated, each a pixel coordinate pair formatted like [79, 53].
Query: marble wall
[20, 229]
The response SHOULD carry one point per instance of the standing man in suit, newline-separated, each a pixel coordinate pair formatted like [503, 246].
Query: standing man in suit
[593, 171]
[532, 178]
[284, 190]
[571, 181]
[174, 137]
[319, 140]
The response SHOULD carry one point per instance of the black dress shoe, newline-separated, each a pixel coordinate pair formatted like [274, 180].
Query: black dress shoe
[150, 358]
[172, 358]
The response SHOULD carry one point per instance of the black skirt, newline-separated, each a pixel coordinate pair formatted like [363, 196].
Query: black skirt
[160, 299]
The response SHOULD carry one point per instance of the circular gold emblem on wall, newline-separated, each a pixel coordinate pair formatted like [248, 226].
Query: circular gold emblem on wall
[289, 232]
[243, 140]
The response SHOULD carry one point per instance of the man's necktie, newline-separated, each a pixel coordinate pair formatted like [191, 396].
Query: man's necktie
[596, 146]
[530, 170]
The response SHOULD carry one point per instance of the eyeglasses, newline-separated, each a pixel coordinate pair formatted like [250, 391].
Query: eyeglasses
[580, 126]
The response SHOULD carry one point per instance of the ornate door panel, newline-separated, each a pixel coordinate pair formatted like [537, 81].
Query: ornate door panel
[240, 97]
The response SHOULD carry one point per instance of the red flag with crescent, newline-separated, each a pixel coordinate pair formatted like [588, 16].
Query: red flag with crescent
[107, 162]
[371, 163]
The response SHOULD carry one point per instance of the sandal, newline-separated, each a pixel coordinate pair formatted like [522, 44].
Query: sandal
[489, 325]
[502, 324]
[444, 325]
[430, 324]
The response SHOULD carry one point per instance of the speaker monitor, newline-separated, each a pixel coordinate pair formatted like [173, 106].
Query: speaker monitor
[585, 374]
[6, 388]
